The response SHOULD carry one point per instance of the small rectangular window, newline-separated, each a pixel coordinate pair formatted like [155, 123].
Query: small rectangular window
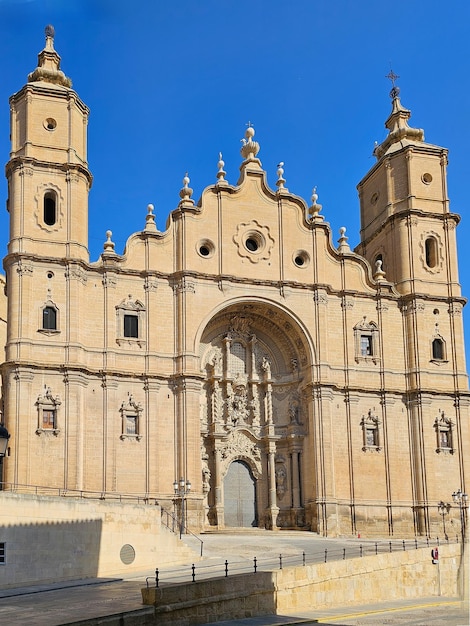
[366, 345]
[131, 326]
[131, 425]
[3, 553]
[48, 418]
[371, 437]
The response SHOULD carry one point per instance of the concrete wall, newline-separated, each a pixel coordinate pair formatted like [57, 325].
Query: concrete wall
[52, 539]
[292, 590]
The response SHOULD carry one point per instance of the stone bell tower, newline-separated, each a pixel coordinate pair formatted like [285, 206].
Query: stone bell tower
[408, 232]
[48, 176]
[405, 219]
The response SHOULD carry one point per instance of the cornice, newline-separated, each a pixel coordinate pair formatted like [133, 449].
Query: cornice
[19, 161]
[402, 214]
[55, 92]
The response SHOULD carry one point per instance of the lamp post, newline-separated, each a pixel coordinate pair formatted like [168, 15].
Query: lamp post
[444, 508]
[461, 499]
[182, 489]
[4, 437]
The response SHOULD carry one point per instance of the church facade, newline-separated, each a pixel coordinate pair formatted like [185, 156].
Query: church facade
[295, 382]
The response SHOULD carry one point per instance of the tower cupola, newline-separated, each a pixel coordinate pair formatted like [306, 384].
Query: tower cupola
[48, 163]
[48, 69]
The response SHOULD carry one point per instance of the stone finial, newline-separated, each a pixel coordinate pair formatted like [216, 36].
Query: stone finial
[186, 191]
[379, 274]
[313, 211]
[280, 176]
[150, 219]
[108, 245]
[343, 241]
[221, 173]
[48, 69]
[250, 148]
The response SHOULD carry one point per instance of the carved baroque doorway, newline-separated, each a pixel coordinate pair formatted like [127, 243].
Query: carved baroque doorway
[254, 417]
[239, 496]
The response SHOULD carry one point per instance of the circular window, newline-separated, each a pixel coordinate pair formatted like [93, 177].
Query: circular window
[436, 311]
[127, 554]
[426, 178]
[50, 274]
[50, 124]
[301, 258]
[374, 198]
[205, 248]
[254, 241]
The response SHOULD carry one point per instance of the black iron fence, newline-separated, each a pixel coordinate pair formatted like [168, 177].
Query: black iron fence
[202, 571]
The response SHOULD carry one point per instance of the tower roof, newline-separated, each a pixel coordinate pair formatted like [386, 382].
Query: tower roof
[48, 69]
[400, 133]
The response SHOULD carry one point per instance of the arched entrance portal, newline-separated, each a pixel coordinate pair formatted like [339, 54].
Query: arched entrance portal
[255, 408]
[239, 496]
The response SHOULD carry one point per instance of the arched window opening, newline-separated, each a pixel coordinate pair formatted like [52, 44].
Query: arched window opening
[431, 252]
[49, 318]
[50, 208]
[438, 349]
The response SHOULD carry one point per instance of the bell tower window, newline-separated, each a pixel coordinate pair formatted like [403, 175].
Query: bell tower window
[430, 246]
[50, 208]
[438, 348]
[49, 318]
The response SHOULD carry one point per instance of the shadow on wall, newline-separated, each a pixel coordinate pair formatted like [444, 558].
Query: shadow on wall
[38, 553]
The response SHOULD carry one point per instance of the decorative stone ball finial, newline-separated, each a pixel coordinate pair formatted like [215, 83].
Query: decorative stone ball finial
[313, 212]
[221, 173]
[108, 244]
[249, 148]
[280, 175]
[314, 197]
[343, 240]
[379, 274]
[186, 191]
[150, 218]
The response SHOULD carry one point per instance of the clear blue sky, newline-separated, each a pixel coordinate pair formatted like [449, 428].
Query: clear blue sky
[171, 83]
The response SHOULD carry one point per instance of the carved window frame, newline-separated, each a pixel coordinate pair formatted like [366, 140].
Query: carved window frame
[370, 424]
[52, 192]
[49, 304]
[444, 434]
[366, 332]
[131, 410]
[47, 403]
[130, 307]
[431, 252]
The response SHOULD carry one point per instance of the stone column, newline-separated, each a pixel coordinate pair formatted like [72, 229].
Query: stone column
[295, 464]
[273, 509]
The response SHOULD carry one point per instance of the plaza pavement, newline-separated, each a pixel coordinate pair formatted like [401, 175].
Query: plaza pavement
[95, 600]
